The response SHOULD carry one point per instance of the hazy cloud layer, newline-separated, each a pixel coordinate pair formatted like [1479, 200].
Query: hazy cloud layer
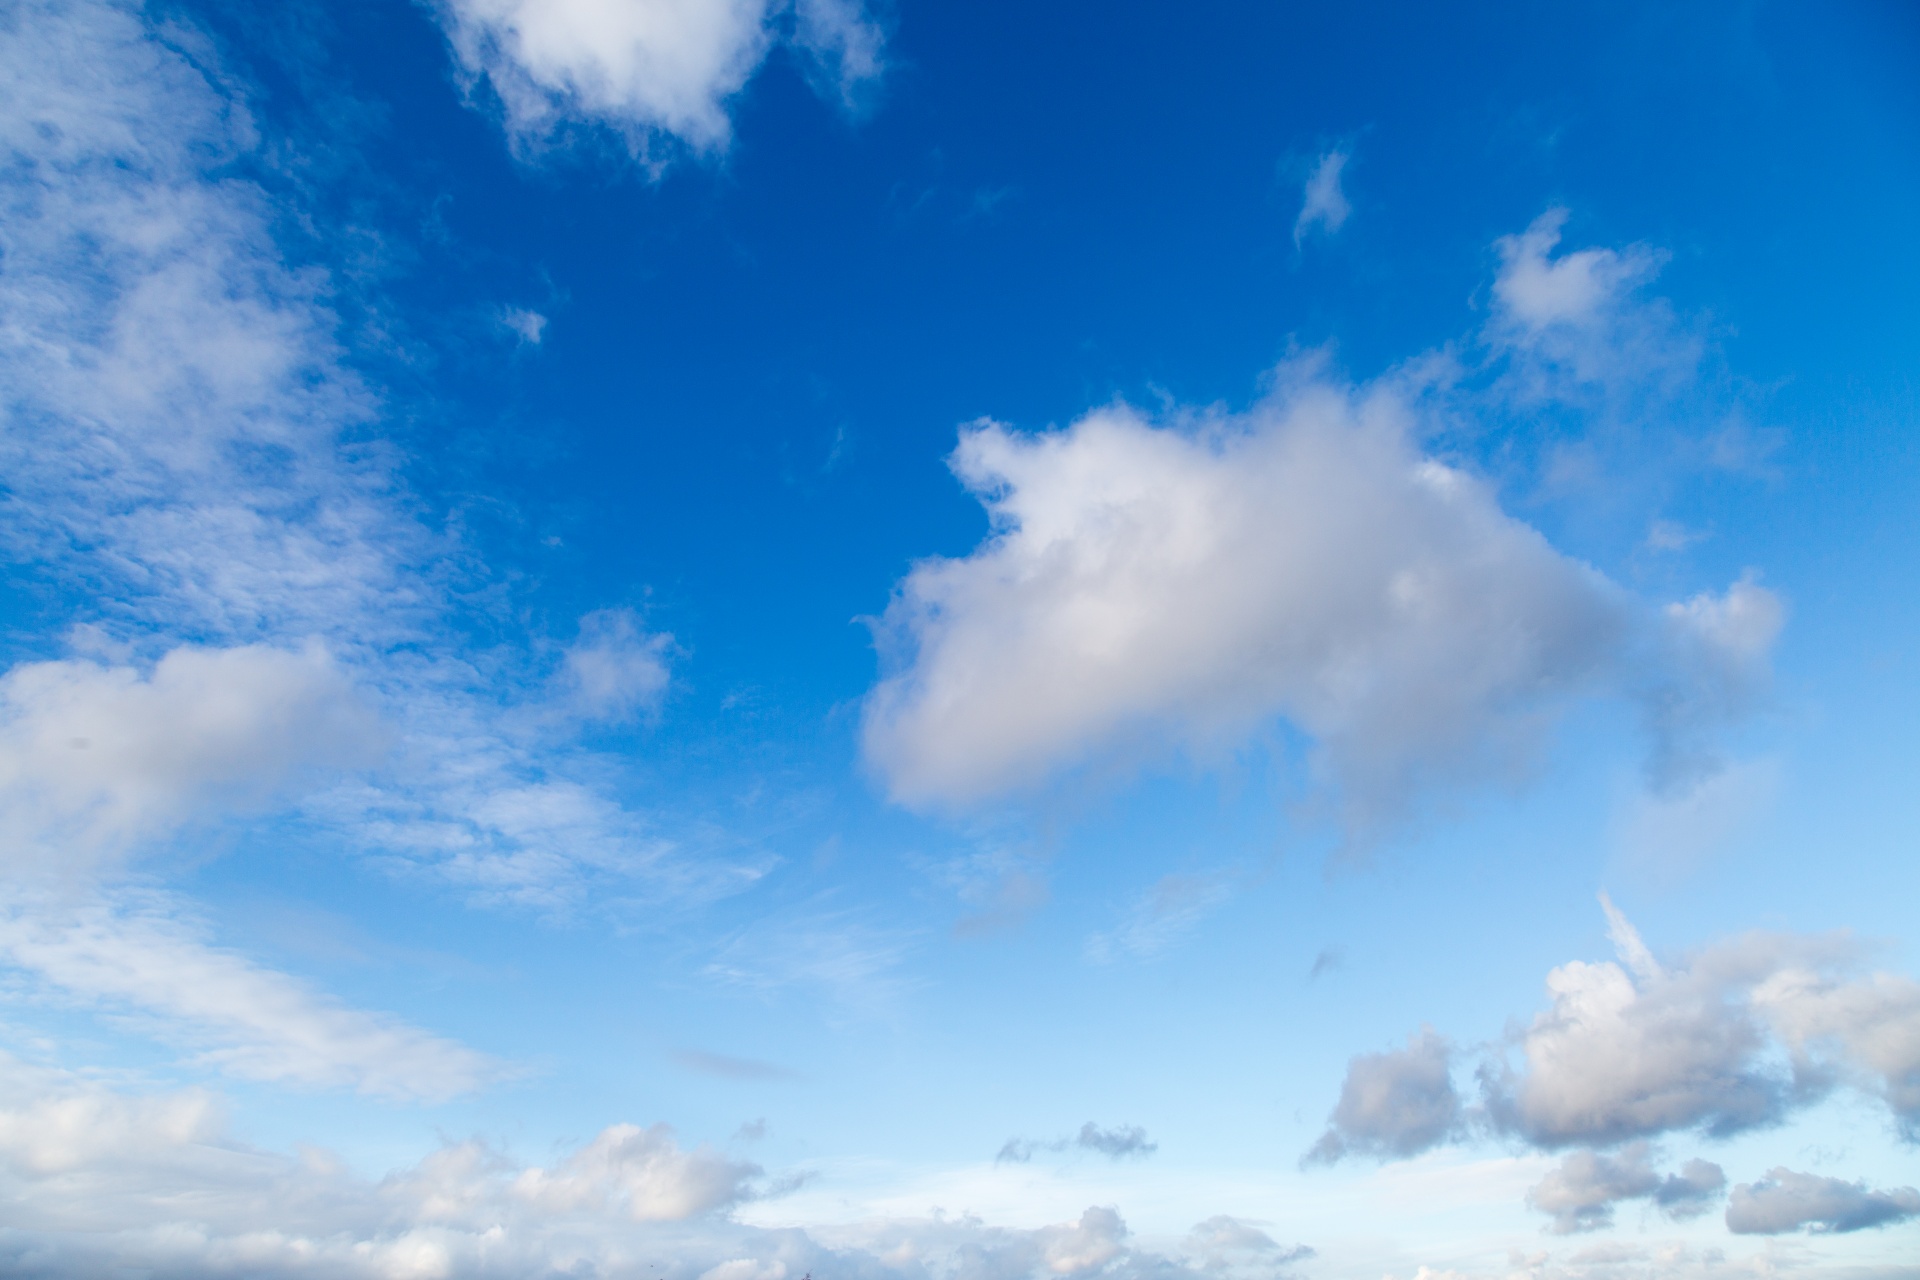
[1787, 1201]
[1189, 581]
[647, 70]
[1582, 1193]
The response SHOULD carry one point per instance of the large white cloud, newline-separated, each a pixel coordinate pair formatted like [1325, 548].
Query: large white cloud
[1190, 581]
[96, 758]
[647, 69]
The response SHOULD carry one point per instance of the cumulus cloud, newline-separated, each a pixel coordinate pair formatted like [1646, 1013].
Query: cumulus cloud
[1323, 204]
[1116, 1143]
[97, 1181]
[137, 959]
[651, 70]
[1632, 1050]
[94, 758]
[1871, 1025]
[1737, 1036]
[1397, 1103]
[1582, 1192]
[1787, 1201]
[1189, 582]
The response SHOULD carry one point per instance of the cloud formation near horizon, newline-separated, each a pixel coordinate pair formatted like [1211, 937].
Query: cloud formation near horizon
[1737, 1037]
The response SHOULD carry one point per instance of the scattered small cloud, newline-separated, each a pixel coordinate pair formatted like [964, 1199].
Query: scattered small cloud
[1324, 205]
[1117, 1143]
[1329, 960]
[529, 327]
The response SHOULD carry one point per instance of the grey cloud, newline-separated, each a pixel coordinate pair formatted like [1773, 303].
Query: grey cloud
[1397, 1103]
[1581, 1194]
[1117, 1143]
[1633, 1050]
[1787, 1201]
[1738, 1036]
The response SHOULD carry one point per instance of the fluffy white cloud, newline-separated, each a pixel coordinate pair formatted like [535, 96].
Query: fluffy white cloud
[1323, 204]
[94, 758]
[1190, 582]
[1395, 1103]
[647, 69]
[1787, 1201]
[1735, 1037]
[1633, 1051]
[233, 1015]
[1581, 1193]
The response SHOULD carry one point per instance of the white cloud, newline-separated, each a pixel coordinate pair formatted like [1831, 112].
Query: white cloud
[1323, 205]
[188, 451]
[1189, 583]
[642, 1174]
[1635, 1051]
[1787, 1201]
[235, 1016]
[98, 1181]
[94, 759]
[1872, 1024]
[1582, 1192]
[1538, 291]
[1396, 1103]
[616, 669]
[646, 69]
[1736, 1037]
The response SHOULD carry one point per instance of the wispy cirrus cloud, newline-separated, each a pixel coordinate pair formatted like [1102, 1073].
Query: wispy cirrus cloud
[262, 621]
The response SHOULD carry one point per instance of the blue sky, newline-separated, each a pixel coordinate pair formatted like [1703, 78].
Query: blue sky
[725, 639]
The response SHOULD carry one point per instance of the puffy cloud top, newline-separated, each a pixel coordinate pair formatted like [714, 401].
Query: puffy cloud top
[647, 69]
[1147, 583]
